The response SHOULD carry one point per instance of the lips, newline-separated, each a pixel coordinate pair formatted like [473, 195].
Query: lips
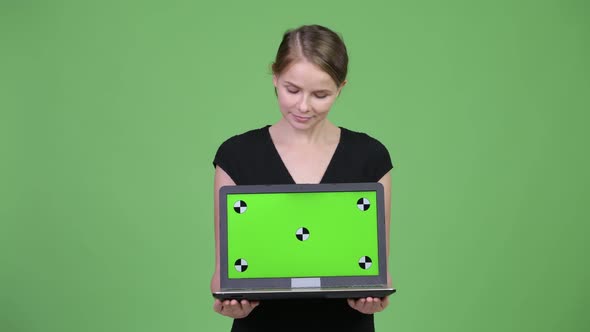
[301, 118]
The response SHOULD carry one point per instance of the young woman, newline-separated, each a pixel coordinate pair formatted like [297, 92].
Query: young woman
[309, 73]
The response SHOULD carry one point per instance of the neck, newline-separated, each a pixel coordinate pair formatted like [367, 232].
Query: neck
[322, 132]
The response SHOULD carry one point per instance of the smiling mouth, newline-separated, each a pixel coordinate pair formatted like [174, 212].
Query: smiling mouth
[302, 117]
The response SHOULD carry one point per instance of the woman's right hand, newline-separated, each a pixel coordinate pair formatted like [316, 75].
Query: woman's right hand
[234, 308]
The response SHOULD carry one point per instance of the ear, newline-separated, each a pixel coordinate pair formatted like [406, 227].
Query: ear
[275, 81]
[341, 86]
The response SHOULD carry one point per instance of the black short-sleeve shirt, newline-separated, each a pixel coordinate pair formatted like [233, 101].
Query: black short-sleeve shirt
[251, 158]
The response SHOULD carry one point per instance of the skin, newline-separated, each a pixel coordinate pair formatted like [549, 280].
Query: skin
[306, 141]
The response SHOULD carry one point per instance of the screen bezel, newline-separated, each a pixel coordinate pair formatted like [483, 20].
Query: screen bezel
[286, 282]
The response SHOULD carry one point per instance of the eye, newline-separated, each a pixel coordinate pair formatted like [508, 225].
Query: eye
[321, 96]
[293, 91]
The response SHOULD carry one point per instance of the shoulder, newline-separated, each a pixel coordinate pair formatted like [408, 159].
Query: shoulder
[368, 152]
[246, 138]
[361, 140]
[244, 142]
[242, 156]
[241, 148]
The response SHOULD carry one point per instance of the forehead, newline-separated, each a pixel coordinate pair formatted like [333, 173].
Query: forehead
[307, 75]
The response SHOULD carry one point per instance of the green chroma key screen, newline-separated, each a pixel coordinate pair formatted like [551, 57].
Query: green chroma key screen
[320, 234]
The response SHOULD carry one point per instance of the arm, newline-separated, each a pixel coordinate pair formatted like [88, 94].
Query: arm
[233, 308]
[386, 182]
[221, 179]
[372, 305]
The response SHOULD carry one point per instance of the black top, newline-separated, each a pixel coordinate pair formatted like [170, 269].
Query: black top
[252, 158]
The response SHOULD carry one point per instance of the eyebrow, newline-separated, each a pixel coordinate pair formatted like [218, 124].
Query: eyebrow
[298, 87]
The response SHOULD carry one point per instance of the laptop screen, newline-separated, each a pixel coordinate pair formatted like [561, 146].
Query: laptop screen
[302, 234]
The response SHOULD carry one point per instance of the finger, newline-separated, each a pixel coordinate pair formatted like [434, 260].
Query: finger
[217, 306]
[358, 304]
[351, 303]
[369, 305]
[377, 304]
[235, 307]
[246, 305]
[250, 304]
[226, 308]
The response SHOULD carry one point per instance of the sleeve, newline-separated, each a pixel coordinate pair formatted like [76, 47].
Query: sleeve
[381, 160]
[226, 156]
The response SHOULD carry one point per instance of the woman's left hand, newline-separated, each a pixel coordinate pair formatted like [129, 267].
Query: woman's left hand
[369, 305]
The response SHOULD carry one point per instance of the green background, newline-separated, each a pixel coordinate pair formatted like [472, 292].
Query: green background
[339, 235]
[111, 113]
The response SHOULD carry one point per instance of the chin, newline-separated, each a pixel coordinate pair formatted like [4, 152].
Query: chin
[302, 125]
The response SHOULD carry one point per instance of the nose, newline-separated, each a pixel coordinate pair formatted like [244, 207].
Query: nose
[302, 105]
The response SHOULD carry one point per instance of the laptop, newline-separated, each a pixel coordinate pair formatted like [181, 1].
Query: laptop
[302, 241]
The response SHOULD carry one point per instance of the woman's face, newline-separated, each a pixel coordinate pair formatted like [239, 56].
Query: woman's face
[305, 94]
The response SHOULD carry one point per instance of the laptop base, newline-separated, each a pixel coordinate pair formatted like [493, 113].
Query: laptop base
[326, 293]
